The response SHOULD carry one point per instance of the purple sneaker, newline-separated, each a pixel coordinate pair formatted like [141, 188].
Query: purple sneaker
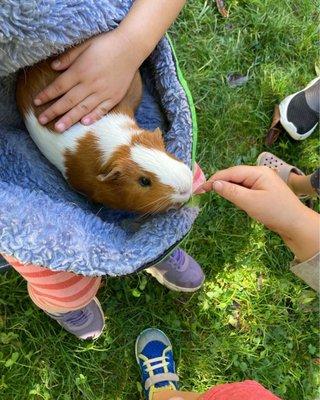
[86, 323]
[179, 272]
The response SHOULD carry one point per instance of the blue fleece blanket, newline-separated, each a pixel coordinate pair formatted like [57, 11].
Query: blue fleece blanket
[43, 221]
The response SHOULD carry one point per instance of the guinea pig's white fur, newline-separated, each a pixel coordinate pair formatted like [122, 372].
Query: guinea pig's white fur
[113, 131]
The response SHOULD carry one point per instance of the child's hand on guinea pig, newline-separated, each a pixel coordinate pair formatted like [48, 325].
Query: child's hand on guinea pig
[97, 75]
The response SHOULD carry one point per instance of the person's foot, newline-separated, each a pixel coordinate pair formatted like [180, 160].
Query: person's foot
[156, 363]
[179, 272]
[297, 181]
[86, 323]
[284, 169]
[299, 112]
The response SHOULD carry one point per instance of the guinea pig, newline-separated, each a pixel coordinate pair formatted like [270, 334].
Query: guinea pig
[113, 161]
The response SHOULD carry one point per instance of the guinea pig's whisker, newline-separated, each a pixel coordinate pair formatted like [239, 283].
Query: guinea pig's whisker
[159, 208]
[161, 202]
[153, 202]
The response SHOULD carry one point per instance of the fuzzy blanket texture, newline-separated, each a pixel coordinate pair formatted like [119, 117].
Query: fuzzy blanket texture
[42, 220]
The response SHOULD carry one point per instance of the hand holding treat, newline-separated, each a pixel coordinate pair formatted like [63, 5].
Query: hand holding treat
[263, 195]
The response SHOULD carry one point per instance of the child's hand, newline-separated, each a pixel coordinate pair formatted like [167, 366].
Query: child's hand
[265, 197]
[97, 76]
[261, 193]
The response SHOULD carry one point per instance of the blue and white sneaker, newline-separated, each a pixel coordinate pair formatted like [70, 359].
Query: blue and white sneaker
[155, 358]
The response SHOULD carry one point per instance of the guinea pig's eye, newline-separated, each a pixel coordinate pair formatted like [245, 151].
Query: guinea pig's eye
[144, 182]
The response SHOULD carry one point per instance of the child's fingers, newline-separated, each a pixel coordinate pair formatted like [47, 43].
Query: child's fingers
[65, 60]
[238, 195]
[58, 87]
[76, 113]
[204, 188]
[99, 112]
[64, 104]
[242, 174]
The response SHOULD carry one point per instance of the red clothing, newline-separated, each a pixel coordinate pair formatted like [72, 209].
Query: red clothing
[247, 390]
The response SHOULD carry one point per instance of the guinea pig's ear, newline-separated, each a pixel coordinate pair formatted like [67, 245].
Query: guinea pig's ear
[158, 139]
[112, 175]
[158, 131]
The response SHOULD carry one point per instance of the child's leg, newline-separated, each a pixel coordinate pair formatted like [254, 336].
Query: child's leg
[66, 297]
[57, 292]
[315, 181]
[303, 185]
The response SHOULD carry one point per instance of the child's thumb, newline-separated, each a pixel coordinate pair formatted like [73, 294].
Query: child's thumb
[238, 195]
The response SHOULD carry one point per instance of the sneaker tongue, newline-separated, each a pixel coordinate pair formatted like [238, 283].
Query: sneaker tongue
[178, 258]
[164, 384]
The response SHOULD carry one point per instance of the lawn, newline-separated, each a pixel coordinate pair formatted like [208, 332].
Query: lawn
[252, 319]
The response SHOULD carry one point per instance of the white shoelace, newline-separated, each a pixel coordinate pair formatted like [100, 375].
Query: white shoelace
[159, 362]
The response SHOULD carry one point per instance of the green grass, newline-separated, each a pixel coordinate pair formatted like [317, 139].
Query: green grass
[253, 319]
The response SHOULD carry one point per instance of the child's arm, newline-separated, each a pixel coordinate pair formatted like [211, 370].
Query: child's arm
[98, 73]
[148, 21]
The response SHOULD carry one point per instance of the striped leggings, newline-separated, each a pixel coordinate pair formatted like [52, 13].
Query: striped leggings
[56, 292]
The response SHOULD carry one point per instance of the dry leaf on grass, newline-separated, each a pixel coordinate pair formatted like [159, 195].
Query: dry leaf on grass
[236, 79]
[222, 8]
[275, 129]
[234, 318]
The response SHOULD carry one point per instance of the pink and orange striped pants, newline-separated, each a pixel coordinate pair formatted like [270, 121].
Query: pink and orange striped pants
[56, 292]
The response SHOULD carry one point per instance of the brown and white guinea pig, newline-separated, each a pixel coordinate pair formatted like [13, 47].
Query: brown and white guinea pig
[113, 161]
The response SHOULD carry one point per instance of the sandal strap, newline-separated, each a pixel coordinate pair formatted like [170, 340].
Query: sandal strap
[284, 169]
